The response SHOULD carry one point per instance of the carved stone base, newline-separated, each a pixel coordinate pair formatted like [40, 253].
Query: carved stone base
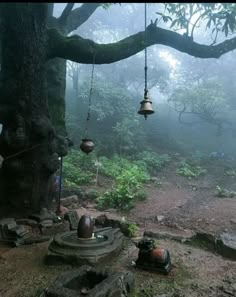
[68, 248]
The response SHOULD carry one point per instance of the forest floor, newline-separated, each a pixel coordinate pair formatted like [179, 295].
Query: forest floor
[176, 205]
[190, 204]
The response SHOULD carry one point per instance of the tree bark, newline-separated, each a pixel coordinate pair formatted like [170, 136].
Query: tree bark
[81, 50]
[28, 141]
[56, 81]
[56, 68]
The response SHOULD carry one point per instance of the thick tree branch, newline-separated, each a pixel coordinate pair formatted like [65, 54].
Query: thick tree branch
[80, 50]
[50, 9]
[66, 12]
[80, 15]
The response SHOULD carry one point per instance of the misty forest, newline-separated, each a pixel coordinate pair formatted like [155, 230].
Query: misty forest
[117, 149]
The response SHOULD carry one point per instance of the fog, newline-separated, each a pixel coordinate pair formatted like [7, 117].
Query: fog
[193, 98]
[128, 166]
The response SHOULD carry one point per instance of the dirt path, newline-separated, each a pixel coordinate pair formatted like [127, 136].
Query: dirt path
[189, 204]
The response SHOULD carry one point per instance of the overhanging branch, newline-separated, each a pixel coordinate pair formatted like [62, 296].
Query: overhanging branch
[80, 15]
[66, 12]
[80, 50]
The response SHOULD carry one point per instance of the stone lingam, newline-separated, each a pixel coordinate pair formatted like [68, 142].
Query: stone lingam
[86, 245]
[153, 258]
[87, 281]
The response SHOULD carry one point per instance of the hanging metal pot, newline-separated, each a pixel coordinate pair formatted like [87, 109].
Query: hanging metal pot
[87, 145]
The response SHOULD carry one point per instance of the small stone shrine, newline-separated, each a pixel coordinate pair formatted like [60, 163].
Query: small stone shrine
[86, 245]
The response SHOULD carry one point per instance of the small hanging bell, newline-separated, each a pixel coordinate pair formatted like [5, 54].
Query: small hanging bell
[87, 145]
[146, 106]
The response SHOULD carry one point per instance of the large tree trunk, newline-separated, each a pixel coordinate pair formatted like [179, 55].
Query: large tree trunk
[28, 141]
[56, 79]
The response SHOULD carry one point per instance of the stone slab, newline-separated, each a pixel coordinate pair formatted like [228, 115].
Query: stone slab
[87, 281]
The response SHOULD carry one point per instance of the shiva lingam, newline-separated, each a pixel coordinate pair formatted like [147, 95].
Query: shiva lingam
[151, 257]
[86, 245]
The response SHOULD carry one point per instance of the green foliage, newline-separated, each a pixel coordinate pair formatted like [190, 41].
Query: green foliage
[132, 230]
[114, 166]
[152, 161]
[220, 17]
[77, 169]
[190, 171]
[128, 179]
[222, 192]
[120, 197]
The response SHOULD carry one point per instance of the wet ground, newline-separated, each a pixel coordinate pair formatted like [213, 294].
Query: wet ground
[195, 272]
[179, 205]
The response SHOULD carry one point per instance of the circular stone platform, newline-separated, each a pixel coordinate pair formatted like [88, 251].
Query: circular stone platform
[68, 248]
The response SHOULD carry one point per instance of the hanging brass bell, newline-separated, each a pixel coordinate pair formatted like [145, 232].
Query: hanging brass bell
[146, 106]
[87, 145]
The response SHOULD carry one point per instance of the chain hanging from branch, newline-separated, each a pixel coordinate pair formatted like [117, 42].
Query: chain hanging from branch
[87, 144]
[146, 104]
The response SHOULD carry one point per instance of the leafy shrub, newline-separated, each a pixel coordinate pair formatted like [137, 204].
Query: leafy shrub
[114, 166]
[128, 180]
[152, 161]
[119, 196]
[80, 159]
[132, 229]
[77, 169]
[190, 171]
